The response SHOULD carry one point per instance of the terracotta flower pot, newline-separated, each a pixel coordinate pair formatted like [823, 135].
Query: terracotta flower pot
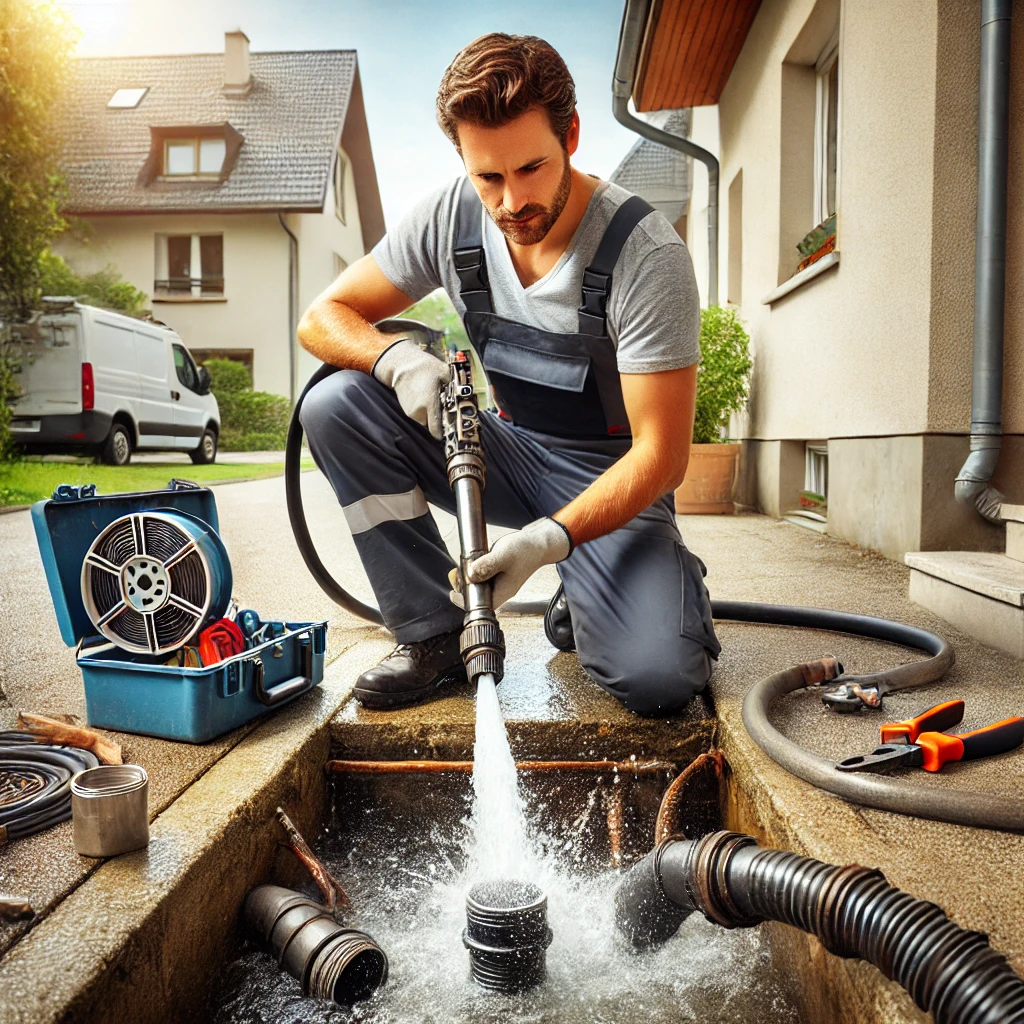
[710, 476]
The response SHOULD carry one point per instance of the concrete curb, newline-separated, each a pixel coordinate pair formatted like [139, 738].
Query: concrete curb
[143, 937]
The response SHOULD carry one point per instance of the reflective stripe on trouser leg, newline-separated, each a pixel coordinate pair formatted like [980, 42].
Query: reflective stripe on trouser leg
[374, 509]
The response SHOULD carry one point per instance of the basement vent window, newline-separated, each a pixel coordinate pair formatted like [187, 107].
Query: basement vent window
[126, 99]
[813, 510]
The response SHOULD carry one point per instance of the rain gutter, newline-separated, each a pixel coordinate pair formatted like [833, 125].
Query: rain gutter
[634, 23]
[973, 487]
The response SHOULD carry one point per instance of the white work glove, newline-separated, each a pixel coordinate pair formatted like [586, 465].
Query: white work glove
[514, 558]
[417, 379]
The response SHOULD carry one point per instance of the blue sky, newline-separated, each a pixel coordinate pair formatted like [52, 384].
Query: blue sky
[403, 45]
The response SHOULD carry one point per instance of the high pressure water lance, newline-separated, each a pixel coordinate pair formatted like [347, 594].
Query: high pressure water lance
[482, 643]
[949, 972]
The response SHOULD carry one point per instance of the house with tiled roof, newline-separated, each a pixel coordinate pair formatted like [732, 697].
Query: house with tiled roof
[230, 188]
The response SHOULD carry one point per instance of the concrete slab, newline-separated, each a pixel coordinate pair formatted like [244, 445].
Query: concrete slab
[552, 709]
[994, 623]
[144, 937]
[983, 572]
[1015, 539]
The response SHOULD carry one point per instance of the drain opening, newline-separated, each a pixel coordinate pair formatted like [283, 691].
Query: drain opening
[507, 934]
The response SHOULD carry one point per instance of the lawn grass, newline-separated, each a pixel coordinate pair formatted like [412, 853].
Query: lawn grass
[24, 482]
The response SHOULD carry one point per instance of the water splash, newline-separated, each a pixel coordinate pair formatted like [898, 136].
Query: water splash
[500, 848]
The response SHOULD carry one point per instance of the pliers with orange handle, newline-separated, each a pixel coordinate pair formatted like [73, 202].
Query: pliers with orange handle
[922, 742]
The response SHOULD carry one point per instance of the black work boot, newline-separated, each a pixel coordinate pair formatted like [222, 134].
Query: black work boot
[412, 672]
[558, 624]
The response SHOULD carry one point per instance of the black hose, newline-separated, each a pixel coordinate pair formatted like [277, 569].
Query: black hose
[948, 971]
[35, 784]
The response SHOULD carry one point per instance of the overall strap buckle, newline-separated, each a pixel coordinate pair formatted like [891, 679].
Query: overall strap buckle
[597, 278]
[474, 288]
[468, 251]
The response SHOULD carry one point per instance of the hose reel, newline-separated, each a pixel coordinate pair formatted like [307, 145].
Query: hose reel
[152, 580]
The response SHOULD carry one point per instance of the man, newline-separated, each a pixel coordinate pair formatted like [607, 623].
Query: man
[581, 302]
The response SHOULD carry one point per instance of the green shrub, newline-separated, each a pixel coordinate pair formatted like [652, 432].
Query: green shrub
[9, 391]
[723, 373]
[250, 421]
[228, 377]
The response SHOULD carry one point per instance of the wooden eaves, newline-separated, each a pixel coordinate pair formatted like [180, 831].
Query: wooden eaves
[689, 51]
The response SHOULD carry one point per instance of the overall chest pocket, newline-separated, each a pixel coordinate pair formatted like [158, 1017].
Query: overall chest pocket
[552, 392]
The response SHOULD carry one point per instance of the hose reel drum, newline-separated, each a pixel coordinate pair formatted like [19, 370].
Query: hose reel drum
[152, 580]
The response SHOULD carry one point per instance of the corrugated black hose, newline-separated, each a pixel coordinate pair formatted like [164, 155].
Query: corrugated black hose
[950, 972]
[35, 784]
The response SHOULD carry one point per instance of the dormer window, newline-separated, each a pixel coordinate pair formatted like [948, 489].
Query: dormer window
[190, 156]
[194, 157]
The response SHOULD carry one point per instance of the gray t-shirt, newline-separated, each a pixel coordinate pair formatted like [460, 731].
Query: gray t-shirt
[653, 311]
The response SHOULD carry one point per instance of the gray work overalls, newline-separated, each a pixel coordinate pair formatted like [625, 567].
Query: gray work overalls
[640, 610]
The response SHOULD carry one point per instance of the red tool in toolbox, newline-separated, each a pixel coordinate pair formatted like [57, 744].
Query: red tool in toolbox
[923, 742]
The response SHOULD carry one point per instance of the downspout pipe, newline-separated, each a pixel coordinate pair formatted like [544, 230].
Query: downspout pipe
[973, 488]
[634, 22]
[948, 971]
[293, 305]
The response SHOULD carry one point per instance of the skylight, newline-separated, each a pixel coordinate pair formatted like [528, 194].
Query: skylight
[125, 99]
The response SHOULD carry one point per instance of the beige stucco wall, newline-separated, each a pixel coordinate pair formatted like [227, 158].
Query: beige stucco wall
[321, 236]
[847, 354]
[254, 311]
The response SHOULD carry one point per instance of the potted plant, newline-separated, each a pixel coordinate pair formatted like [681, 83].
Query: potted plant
[722, 380]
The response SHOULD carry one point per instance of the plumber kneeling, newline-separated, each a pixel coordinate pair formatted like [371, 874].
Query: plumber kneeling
[580, 302]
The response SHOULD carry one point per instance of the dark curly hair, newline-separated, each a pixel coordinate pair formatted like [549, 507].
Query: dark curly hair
[498, 77]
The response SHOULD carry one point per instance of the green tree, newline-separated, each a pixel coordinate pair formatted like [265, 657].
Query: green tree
[104, 288]
[723, 372]
[36, 40]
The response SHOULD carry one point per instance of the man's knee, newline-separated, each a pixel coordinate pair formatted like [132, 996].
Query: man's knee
[657, 679]
[336, 404]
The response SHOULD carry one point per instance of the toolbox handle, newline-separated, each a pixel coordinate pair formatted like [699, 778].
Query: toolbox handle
[289, 688]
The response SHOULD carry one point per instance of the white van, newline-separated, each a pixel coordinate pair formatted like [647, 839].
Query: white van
[107, 383]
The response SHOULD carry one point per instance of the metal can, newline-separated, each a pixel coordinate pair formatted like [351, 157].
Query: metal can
[110, 810]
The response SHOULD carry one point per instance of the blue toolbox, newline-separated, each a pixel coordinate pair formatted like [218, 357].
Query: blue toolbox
[136, 580]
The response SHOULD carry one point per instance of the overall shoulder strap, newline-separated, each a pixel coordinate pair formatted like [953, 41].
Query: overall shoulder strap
[468, 251]
[597, 278]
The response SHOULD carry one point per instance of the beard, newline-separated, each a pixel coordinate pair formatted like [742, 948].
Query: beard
[541, 218]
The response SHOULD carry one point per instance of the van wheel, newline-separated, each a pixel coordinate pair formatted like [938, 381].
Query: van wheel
[207, 450]
[118, 448]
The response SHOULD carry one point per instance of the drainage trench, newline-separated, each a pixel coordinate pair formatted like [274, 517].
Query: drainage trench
[397, 835]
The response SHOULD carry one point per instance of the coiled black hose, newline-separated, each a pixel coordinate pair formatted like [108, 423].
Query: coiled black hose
[35, 784]
[950, 972]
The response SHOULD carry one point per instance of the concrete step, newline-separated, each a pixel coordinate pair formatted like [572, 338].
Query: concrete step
[980, 592]
[1014, 516]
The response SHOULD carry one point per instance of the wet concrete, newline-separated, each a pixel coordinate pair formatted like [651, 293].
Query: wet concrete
[552, 709]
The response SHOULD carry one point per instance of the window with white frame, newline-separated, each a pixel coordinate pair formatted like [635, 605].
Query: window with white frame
[816, 469]
[194, 158]
[826, 131]
[340, 169]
